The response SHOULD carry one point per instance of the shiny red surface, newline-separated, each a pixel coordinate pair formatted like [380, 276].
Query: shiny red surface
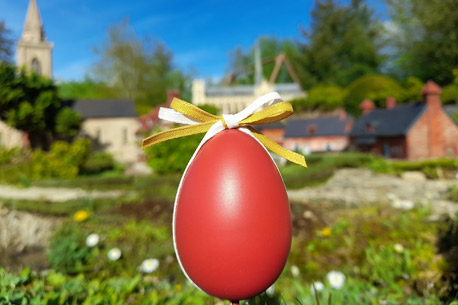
[232, 219]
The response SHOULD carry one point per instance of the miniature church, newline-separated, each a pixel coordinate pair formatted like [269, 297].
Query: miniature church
[34, 52]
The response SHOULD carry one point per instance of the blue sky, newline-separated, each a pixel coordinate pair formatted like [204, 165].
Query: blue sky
[199, 33]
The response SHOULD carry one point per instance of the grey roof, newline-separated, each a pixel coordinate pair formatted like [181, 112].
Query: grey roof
[230, 90]
[452, 111]
[104, 108]
[290, 88]
[240, 90]
[324, 126]
[276, 125]
[388, 122]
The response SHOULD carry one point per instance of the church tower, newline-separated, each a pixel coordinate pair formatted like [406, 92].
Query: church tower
[34, 51]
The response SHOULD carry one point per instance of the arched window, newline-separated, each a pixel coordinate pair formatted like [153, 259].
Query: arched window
[36, 66]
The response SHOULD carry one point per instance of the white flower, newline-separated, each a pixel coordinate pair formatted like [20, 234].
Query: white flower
[406, 205]
[398, 248]
[336, 279]
[391, 196]
[114, 254]
[149, 265]
[403, 204]
[271, 290]
[396, 204]
[318, 287]
[295, 271]
[92, 240]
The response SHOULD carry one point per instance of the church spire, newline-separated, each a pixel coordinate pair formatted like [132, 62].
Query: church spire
[33, 26]
[34, 52]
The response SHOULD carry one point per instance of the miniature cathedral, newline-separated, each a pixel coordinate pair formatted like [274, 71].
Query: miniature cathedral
[34, 51]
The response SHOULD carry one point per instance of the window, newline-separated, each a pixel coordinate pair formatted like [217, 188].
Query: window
[311, 129]
[124, 135]
[98, 135]
[36, 66]
[370, 128]
[396, 150]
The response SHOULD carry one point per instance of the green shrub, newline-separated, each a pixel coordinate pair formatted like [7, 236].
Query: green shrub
[172, 156]
[428, 167]
[98, 162]
[63, 160]
[321, 167]
[374, 87]
[8, 156]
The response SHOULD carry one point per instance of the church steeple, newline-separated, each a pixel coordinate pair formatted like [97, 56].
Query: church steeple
[33, 26]
[34, 51]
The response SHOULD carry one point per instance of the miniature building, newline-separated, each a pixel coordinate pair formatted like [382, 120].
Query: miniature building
[234, 98]
[274, 131]
[328, 133]
[413, 131]
[111, 124]
[34, 51]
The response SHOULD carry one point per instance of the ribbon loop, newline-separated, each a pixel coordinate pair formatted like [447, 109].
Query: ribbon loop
[200, 121]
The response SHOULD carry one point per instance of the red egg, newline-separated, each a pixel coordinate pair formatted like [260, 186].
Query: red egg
[232, 222]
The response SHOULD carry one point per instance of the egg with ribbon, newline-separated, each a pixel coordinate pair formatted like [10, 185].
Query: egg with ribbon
[232, 221]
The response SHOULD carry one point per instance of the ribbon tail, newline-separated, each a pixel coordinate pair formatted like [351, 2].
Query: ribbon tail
[281, 151]
[176, 133]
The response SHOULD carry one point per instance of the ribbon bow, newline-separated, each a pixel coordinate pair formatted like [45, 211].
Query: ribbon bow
[200, 121]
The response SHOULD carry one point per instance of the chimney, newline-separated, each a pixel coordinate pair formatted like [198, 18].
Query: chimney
[390, 103]
[171, 94]
[434, 115]
[367, 106]
[431, 94]
[342, 114]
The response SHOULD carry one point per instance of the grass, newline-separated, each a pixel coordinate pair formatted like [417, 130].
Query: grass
[139, 190]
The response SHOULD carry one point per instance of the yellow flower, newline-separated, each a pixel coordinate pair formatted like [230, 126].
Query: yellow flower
[177, 287]
[81, 215]
[326, 232]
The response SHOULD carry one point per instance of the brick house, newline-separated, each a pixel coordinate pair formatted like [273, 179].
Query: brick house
[408, 131]
[328, 133]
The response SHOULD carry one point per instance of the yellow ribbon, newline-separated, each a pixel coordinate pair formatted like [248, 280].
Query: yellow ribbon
[274, 113]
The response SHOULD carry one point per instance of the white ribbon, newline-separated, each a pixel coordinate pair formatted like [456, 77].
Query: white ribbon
[232, 121]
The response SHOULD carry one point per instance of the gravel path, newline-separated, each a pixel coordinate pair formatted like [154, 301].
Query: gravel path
[53, 194]
[361, 186]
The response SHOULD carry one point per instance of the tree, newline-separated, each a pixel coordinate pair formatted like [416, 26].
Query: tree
[320, 97]
[136, 69]
[374, 87]
[450, 92]
[342, 45]
[425, 38]
[86, 89]
[29, 102]
[6, 43]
